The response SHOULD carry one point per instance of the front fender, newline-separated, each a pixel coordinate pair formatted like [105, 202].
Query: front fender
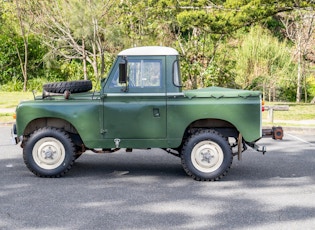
[82, 115]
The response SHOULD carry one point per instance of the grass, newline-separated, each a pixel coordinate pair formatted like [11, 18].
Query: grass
[9, 100]
[299, 115]
[12, 99]
[297, 112]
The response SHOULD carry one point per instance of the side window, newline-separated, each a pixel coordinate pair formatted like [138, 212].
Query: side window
[115, 80]
[176, 80]
[144, 76]
[144, 73]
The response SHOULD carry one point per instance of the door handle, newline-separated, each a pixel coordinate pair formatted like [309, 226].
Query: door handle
[156, 112]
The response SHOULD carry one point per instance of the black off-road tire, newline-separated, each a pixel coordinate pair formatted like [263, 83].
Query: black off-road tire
[71, 86]
[206, 155]
[49, 152]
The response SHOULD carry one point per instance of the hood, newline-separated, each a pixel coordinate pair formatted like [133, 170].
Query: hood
[72, 96]
[219, 92]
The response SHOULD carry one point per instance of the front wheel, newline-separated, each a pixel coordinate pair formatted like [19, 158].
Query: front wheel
[206, 155]
[49, 152]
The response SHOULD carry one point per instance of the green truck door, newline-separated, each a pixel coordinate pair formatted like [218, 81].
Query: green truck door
[139, 111]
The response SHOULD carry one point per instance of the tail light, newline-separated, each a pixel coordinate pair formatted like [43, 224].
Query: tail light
[262, 105]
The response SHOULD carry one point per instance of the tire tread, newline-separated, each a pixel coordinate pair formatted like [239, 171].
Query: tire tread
[79, 86]
[53, 131]
[186, 145]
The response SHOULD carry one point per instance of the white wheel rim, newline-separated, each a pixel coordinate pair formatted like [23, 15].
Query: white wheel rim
[207, 156]
[48, 153]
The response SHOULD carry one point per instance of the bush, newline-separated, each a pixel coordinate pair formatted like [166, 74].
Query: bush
[14, 85]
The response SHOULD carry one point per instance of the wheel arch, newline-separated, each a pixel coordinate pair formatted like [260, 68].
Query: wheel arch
[226, 128]
[53, 122]
[49, 122]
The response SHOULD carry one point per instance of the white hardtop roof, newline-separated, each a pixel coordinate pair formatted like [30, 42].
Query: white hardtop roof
[149, 51]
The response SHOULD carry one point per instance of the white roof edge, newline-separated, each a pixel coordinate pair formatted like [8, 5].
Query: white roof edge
[148, 51]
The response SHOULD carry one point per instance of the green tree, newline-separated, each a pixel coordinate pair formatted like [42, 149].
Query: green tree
[299, 27]
[264, 63]
[150, 22]
[205, 60]
[75, 30]
[16, 25]
[224, 17]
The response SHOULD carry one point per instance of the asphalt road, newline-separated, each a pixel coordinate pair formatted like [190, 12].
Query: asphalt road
[149, 190]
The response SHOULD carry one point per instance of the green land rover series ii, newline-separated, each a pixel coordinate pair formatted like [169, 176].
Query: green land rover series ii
[140, 105]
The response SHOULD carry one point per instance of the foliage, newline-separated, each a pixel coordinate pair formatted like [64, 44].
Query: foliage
[148, 22]
[205, 61]
[264, 63]
[223, 17]
[219, 41]
[311, 87]
[9, 65]
[76, 30]
[11, 77]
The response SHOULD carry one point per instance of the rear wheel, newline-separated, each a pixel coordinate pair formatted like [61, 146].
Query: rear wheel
[49, 152]
[206, 155]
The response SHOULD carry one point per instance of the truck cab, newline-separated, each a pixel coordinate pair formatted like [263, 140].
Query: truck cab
[138, 102]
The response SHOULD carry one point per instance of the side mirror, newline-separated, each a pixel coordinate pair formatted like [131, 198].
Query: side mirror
[123, 72]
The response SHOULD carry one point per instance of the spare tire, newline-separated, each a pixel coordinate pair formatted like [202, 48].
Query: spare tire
[72, 86]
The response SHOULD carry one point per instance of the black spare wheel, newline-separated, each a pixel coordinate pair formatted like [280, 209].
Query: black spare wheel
[71, 86]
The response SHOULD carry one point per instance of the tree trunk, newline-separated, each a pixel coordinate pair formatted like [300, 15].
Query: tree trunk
[273, 93]
[24, 63]
[84, 60]
[299, 76]
[299, 73]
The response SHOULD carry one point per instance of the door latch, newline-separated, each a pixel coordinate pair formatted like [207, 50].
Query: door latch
[156, 112]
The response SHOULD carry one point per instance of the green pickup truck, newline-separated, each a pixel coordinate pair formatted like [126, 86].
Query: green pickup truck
[141, 105]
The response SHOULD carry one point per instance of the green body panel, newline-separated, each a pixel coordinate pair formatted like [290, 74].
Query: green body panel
[82, 113]
[243, 113]
[146, 117]
[139, 121]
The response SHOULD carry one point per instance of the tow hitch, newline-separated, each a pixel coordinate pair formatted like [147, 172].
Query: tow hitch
[258, 148]
[242, 146]
[275, 132]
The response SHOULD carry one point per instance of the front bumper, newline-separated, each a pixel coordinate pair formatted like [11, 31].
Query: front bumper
[14, 138]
